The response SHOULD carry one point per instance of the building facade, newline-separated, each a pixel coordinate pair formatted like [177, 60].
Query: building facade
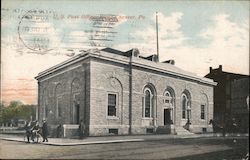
[231, 99]
[240, 103]
[122, 93]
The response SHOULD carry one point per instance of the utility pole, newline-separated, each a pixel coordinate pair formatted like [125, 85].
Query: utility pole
[157, 42]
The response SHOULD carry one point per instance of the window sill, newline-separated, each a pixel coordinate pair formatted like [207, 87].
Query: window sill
[147, 118]
[185, 119]
[112, 117]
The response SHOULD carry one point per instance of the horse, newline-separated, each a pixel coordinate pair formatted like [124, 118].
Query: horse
[216, 127]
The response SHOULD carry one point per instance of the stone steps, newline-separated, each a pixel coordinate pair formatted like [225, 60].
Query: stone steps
[182, 131]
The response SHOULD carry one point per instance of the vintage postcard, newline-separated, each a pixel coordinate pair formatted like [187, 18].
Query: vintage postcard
[124, 79]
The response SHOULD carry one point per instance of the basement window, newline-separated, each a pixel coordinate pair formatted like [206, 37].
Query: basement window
[204, 130]
[113, 131]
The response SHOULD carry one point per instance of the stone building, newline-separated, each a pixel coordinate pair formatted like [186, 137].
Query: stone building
[230, 98]
[122, 93]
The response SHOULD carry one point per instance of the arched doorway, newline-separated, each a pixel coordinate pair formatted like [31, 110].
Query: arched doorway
[168, 106]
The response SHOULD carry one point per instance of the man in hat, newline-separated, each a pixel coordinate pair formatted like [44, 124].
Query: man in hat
[45, 131]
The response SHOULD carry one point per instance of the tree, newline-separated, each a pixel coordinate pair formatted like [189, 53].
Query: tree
[1, 111]
[16, 110]
[15, 104]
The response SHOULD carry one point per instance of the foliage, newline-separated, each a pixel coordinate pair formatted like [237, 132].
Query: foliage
[16, 110]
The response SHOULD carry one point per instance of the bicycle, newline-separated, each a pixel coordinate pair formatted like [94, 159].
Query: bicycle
[37, 136]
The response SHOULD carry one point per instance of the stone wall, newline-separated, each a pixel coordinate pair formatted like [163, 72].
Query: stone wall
[58, 92]
[89, 82]
[109, 77]
[142, 77]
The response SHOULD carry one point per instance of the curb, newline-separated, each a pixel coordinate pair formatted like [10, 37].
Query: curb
[94, 142]
[80, 143]
[130, 140]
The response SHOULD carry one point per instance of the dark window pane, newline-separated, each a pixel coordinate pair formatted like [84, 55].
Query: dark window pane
[59, 105]
[202, 112]
[147, 103]
[184, 114]
[112, 99]
[111, 105]
[147, 112]
[111, 111]
[59, 111]
[46, 111]
[184, 103]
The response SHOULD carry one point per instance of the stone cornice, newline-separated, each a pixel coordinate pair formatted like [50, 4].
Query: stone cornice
[135, 61]
[62, 65]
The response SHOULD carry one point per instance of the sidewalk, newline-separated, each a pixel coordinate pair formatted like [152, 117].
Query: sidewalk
[115, 139]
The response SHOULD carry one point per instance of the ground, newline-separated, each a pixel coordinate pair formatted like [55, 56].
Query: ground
[191, 148]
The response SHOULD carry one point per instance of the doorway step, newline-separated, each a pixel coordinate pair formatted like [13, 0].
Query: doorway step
[167, 129]
[182, 131]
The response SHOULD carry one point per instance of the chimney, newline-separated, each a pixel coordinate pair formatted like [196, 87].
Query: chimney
[220, 67]
[135, 52]
[210, 69]
[155, 58]
[171, 61]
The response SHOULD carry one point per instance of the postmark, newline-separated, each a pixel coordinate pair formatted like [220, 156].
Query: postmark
[41, 31]
[37, 32]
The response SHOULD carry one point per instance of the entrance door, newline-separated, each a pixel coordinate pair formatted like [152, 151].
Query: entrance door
[76, 114]
[167, 118]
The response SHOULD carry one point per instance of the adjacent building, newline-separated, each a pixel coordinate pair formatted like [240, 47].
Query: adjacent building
[231, 99]
[123, 93]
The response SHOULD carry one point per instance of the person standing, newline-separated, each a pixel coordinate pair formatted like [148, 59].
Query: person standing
[81, 129]
[45, 131]
[59, 131]
[28, 130]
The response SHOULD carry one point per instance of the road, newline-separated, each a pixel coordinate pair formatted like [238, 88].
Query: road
[199, 148]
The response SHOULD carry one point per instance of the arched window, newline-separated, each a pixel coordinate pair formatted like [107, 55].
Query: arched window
[114, 98]
[148, 98]
[186, 108]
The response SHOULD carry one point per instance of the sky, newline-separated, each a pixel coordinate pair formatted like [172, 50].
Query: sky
[36, 35]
